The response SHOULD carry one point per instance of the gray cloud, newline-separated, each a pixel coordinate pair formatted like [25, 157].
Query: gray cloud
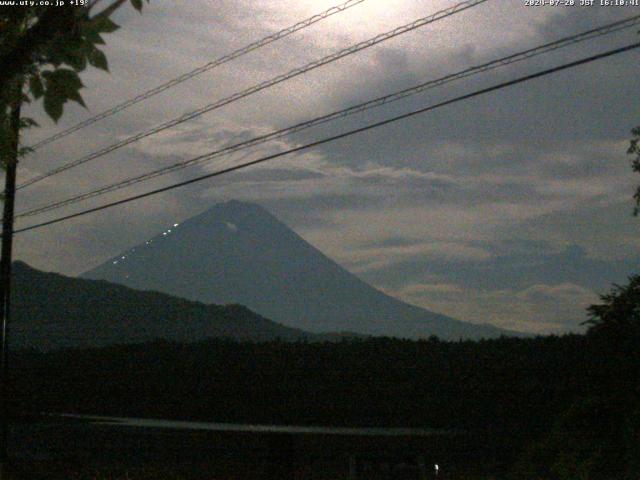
[502, 208]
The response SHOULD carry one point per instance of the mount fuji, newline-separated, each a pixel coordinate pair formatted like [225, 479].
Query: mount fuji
[239, 253]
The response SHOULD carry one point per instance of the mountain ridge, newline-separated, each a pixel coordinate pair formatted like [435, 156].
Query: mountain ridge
[52, 311]
[237, 252]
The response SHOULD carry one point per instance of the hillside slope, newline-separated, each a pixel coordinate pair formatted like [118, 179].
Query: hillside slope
[238, 252]
[53, 311]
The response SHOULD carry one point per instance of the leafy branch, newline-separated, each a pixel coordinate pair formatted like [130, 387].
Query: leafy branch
[44, 49]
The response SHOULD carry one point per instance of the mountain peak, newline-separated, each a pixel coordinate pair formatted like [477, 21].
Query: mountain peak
[232, 210]
[234, 206]
[238, 252]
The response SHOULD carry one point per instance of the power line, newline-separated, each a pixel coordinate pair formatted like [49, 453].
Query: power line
[262, 86]
[349, 133]
[517, 57]
[204, 68]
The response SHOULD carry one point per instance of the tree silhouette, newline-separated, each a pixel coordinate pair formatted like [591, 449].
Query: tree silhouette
[42, 51]
[619, 312]
[634, 149]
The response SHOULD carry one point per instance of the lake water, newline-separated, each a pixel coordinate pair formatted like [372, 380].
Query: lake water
[238, 427]
[88, 441]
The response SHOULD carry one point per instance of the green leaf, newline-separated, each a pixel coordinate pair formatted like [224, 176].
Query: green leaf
[99, 60]
[53, 105]
[77, 61]
[90, 32]
[76, 97]
[56, 58]
[137, 4]
[104, 25]
[63, 79]
[35, 86]
[94, 38]
[61, 85]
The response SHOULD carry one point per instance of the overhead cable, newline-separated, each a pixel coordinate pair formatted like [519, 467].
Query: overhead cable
[333, 138]
[377, 102]
[259, 87]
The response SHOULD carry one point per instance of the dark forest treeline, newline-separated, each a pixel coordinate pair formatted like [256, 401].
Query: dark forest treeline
[556, 403]
[377, 381]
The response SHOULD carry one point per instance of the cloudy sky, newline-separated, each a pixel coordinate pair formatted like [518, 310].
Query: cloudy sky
[513, 208]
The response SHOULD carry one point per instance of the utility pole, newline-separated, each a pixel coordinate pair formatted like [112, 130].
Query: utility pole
[11, 163]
